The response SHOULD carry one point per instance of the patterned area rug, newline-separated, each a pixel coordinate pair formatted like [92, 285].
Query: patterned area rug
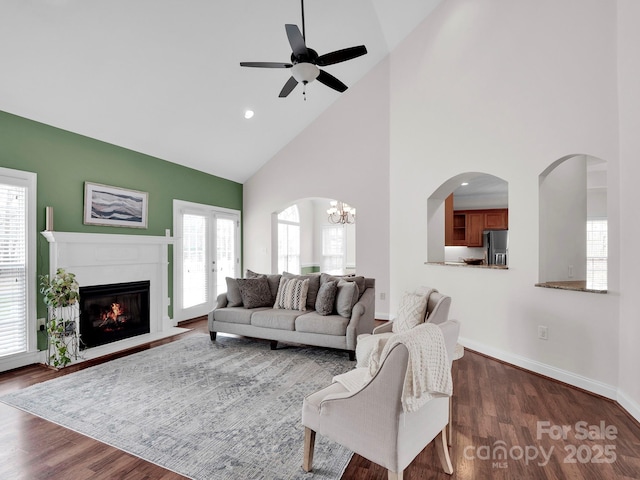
[228, 409]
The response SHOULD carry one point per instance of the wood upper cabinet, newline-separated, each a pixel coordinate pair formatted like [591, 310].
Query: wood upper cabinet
[465, 227]
[497, 219]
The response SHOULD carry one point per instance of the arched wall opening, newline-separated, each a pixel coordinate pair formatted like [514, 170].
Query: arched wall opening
[573, 224]
[460, 214]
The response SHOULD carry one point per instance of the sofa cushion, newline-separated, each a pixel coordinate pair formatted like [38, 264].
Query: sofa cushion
[360, 281]
[313, 322]
[326, 297]
[274, 318]
[234, 315]
[292, 294]
[314, 286]
[273, 279]
[411, 313]
[346, 298]
[234, 299]
[255, 292]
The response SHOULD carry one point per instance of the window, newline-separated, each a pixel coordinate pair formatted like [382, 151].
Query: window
[17, 262]
[333, 249]
[289, 240]
[195, 276]
[597, 254]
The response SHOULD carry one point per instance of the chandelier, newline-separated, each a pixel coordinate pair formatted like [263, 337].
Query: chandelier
[340, 212]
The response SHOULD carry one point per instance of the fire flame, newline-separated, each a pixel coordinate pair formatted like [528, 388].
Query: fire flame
[113, 315]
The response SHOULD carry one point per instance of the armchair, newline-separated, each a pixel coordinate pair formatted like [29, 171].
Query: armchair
[371, 421]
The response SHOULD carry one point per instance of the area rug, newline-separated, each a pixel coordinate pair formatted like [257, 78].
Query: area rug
[229, 409]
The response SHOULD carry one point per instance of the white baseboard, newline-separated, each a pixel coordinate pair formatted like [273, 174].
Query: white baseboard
[594, 386]
[629, 405]
[382, 316]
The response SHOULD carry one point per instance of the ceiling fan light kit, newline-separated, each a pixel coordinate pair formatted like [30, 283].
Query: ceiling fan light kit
[305, 61]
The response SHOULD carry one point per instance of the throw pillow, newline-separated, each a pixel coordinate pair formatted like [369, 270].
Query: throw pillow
[326, 297]
[346, 298]
[412, 311]
[292, 294]
[360, 281]
[369, 348]
[255, 292]
[314, 286]
[273, 279]
[234, 299]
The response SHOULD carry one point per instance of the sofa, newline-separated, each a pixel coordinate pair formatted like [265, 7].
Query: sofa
[297, 309]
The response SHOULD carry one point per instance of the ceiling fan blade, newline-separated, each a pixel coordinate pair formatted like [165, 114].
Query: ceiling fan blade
[266, 64]
[341, 55]
[331, 81]
[296, 40]
[288, 87]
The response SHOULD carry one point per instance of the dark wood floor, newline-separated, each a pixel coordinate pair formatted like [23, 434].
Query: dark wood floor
[495, 405]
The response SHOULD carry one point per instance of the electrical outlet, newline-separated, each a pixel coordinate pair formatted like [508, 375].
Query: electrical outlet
[570, 271]
[383, 295]
[543, 332]
[41, 322]
[168, 301]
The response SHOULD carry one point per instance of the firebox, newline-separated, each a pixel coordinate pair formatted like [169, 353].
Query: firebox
[109, 313]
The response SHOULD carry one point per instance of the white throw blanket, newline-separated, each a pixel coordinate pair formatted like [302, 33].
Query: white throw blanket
[428, 370]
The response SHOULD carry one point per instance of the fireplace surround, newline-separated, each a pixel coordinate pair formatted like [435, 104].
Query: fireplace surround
[107, 259]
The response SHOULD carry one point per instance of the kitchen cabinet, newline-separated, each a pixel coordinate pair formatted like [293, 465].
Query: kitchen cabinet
[465, 227]
[474, 229]
[497, 219]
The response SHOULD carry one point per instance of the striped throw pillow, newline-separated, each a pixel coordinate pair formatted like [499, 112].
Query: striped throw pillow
[292, 294]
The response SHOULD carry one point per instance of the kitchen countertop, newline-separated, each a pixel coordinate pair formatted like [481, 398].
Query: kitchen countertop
[576, 285]
[462, 264]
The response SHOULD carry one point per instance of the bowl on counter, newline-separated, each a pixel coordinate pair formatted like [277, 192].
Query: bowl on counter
[473, 261]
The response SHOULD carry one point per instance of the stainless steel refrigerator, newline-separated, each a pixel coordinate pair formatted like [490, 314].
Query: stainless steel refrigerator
[496, 246]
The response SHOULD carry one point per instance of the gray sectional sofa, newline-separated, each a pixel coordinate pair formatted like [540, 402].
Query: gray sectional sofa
[336, 327]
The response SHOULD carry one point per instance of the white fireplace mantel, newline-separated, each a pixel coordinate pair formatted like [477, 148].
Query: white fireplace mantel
[98, 259]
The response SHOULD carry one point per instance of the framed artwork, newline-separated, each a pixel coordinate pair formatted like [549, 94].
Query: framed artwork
[114, 206]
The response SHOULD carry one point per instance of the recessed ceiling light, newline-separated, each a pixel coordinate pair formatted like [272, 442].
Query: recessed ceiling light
[248, 114]
[464, 184]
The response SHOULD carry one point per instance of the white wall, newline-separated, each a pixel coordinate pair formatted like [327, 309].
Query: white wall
[507, 88]
[504, 88]
[344, 155]
[629, 95]
[562, 221]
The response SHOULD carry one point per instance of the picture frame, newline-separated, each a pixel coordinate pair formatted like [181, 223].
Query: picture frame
[114, 206]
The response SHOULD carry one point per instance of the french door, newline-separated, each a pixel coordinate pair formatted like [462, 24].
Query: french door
[207, 251]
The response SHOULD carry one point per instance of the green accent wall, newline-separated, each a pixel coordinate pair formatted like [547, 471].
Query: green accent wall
[63, 161]
[310, 269]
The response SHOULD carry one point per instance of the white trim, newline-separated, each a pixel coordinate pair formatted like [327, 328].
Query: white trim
[594, 386]
[382, 316]
[30, 179]
[23, 359]
[632, 407]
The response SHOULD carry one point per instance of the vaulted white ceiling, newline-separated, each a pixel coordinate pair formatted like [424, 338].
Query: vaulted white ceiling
[162, 77]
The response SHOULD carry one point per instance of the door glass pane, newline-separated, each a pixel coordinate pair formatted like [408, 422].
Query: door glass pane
[13, 269]
[195, 259]
[226, 252]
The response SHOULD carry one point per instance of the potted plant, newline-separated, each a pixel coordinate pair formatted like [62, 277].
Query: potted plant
[61, 294]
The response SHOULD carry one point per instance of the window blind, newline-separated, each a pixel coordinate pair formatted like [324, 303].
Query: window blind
[195, 276]
[13, 269]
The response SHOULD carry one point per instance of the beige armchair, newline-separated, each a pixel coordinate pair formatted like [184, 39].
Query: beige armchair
[371, 421]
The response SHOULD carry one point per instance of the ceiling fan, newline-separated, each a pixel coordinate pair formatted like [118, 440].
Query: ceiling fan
[305, 61]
